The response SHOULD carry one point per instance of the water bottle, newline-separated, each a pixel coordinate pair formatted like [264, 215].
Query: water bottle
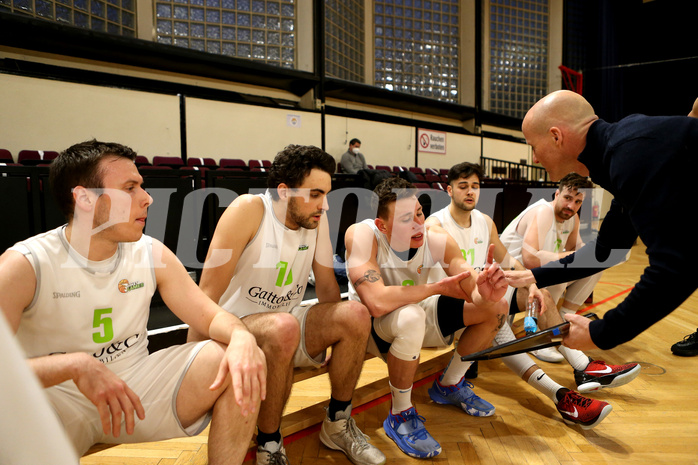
[531, 318]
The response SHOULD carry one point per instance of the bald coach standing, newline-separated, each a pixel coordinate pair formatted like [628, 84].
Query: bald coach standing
[649, 165]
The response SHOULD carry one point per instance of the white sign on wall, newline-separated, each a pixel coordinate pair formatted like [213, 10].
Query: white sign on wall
[431, 141]
[293, 121]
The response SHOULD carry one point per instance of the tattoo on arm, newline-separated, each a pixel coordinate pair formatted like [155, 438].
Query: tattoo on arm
[370, 275]
[500, 322]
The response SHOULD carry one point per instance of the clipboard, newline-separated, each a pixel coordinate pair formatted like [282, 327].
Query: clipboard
[547, 338]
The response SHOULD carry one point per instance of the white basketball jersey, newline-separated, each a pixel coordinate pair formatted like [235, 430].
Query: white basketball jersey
[272, 272]
[396, 271]
[100, 308]
[554, 240]
[473, 241]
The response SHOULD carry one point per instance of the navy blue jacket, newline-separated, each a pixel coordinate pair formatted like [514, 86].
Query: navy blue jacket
[649, 164]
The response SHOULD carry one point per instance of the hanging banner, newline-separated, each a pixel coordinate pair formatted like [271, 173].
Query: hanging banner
[431, 141]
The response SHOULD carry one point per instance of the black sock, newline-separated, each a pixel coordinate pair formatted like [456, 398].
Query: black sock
[561, 393]
[337, 406]
[263, 438]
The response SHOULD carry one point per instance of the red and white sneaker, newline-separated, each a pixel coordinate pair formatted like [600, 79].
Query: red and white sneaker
[579, 410]
[598, 375]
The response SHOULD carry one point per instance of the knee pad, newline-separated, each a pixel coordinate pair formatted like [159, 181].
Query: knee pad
[504, 335]
[408, 327]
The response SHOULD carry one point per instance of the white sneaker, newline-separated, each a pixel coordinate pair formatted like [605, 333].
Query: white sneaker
[549, 354]
[272, 453]
[344, 435]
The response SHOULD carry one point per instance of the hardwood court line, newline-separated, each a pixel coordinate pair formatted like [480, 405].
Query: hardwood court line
[607, 299]
[252, 452]
[611, 284]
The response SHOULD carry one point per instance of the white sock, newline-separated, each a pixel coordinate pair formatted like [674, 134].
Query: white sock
[402, 399]
[544, 384]
[455, 370]
[576, 358]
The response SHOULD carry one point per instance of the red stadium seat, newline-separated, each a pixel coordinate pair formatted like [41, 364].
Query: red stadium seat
[259, 165]
[233, 163]
[209, 163]
[6, 156]
[50, 155]
[35, 157]
[172, 162]
[29, 157]
[153, 167]
[142, 160]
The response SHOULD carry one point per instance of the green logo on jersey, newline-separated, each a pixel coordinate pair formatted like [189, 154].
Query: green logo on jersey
[282, 266]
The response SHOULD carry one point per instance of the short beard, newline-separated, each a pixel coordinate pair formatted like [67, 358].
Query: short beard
[463, 206]
[302, 221]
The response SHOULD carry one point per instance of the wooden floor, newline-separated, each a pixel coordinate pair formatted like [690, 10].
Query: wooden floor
[654, 418]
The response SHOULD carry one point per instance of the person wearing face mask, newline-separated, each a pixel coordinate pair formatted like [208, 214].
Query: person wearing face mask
[353, 160]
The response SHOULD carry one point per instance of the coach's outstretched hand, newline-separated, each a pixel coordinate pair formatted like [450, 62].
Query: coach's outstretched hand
[519, 278]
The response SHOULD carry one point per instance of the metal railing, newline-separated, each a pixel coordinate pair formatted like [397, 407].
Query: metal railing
[507, 170]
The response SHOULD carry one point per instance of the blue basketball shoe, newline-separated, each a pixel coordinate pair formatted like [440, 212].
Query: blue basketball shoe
[461, 395]
[408, 431]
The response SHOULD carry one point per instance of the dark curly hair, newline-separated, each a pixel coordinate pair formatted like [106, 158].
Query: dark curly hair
[464, 170]
[294, 163]
[575, 182]
[391, 190]
[78, 165]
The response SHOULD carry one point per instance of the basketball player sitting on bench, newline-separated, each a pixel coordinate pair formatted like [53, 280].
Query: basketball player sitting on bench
[388, 263]
[79, 296]
[273, 241]
[548, 231]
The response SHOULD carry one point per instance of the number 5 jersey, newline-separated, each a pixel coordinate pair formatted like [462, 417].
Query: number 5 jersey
[100, 308]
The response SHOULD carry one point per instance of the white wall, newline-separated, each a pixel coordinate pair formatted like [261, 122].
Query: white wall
[381, 143]
[41, 114]
[392, 144]
[228, 130]
[505, 150]
[459, 148]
